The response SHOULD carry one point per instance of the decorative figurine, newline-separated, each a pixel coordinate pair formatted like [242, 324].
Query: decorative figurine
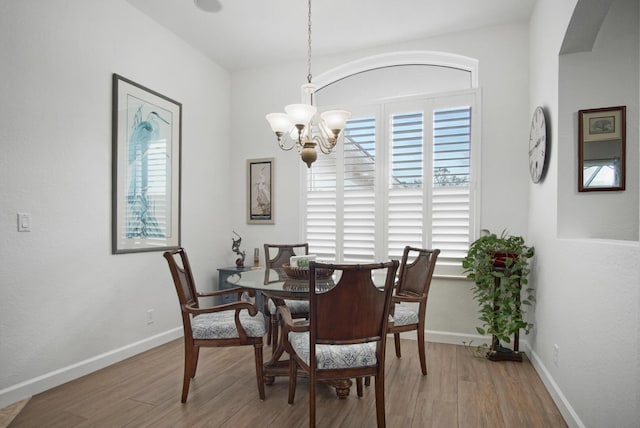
[235, 247]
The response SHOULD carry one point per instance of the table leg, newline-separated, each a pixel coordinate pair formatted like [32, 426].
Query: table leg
[342, 386]
[276, 366]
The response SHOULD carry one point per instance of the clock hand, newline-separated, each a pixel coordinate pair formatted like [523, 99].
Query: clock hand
[536, 146]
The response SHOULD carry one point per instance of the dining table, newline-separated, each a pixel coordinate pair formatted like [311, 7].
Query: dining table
[277, 285]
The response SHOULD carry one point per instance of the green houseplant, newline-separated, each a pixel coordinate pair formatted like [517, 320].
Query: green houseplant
[500, 260]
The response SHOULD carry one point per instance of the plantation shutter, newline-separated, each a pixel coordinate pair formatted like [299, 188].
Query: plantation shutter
[451, 200]
[359, 190]
[321, 208]
[403, 178]
[406, 207]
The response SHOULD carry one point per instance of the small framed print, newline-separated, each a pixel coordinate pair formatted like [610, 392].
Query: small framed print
[601, 124]
[260, 191]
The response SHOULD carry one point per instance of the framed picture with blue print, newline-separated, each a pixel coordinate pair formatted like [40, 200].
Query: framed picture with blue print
[146, 150]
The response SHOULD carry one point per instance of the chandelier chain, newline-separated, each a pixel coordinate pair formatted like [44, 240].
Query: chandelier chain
[309, 44]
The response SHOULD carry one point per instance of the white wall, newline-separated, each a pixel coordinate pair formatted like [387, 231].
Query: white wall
[390, 82]
[587, 290]
[68, 305]
[502, 54]
[604, 76]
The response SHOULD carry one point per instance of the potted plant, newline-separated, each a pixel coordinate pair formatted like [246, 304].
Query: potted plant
[499, 266]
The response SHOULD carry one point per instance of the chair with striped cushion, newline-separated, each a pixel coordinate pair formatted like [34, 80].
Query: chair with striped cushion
[410, 298]
[232, 324]
[297, 308]
[346, 333]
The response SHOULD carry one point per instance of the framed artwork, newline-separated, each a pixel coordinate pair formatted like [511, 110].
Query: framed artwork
[147, 132]
[601, 124]
[602, 149]
[260, 185]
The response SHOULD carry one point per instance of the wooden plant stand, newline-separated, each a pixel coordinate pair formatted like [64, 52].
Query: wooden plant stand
[497, 352]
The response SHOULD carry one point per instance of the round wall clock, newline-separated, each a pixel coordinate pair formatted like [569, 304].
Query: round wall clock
[537, 145]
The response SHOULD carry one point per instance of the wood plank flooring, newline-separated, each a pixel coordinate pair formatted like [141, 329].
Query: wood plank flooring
[144, 391]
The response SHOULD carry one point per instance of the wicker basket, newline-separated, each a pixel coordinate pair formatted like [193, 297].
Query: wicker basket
[303, 273]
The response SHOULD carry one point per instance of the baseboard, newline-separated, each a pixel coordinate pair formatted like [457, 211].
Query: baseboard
[50, 380]
[568, 413]
[451, 338]
[448, 337]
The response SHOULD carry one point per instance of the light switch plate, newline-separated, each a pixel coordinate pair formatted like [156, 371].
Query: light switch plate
[24, 222]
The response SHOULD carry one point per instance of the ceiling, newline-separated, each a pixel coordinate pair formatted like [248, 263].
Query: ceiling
[249, 33]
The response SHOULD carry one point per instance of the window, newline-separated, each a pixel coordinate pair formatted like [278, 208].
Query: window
[403, 175]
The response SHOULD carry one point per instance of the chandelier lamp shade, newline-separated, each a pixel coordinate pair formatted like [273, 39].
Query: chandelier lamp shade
[299, 126]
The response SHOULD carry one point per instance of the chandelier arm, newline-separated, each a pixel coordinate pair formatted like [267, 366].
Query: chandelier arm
[287, 143]
[326, 145]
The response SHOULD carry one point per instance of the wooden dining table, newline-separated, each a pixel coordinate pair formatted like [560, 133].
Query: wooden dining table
[275, 284]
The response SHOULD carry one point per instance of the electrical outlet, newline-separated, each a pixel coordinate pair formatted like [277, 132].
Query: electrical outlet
[556, 355]
[150, 316]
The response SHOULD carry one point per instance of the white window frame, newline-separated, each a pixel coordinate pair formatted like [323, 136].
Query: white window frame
[427, 58]
[382, 111]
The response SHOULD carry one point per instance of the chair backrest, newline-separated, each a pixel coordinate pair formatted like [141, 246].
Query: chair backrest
[355, 310]
[416, 271]
[182, 277]
[285, 251]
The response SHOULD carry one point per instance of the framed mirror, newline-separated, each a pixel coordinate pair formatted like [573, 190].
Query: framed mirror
[601, 149]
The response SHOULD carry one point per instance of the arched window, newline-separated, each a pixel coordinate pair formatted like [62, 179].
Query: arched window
[405, 172]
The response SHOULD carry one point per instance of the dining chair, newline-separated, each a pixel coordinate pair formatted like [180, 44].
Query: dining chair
[297, 308]
[232, 324]
[346, 333]
[410, 297]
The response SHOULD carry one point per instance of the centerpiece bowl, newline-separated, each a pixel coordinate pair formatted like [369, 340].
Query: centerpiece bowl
[296, 272]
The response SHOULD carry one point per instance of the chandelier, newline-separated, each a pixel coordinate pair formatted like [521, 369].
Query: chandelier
[300, 126]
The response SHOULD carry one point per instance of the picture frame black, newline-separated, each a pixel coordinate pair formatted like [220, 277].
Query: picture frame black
[602, 149]
[260, 191]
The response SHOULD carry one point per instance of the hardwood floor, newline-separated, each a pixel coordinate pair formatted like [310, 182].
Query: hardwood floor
[144, 391]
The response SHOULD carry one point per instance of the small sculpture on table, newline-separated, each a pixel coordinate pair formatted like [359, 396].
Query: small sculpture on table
[235, 247]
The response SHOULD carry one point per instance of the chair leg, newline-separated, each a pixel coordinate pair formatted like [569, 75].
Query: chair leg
[188, 370]
[196, 355]
[293, 375]
[421, 351]
[380, 413]
[259, 374]
[274, 331]
[268, 325]
[312, 399]
[267, 316]
[359, 386]
[367, 381]
[396, 340]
